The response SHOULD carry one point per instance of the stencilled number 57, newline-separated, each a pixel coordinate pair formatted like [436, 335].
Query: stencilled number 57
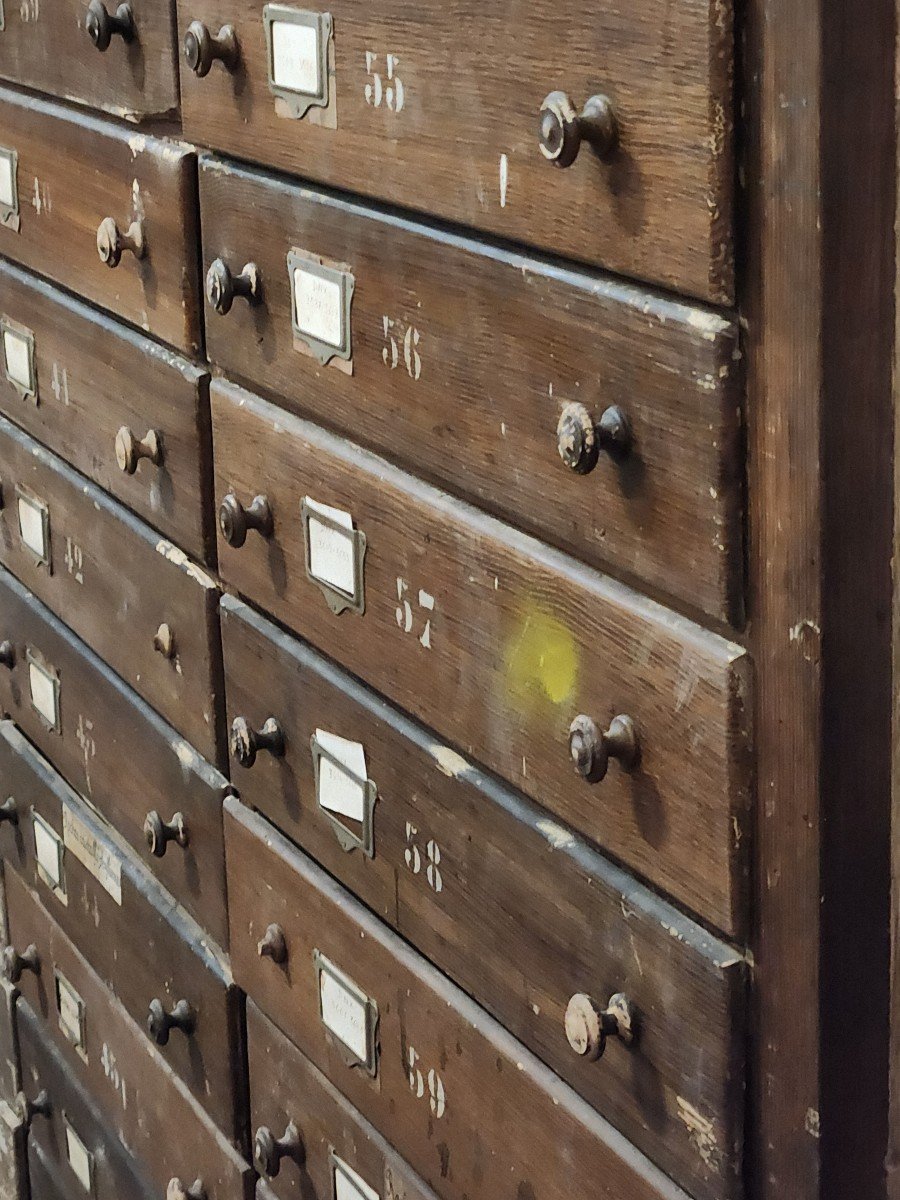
[412, 619]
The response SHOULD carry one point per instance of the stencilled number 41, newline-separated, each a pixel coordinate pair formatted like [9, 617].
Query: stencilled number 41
[384, 92]
[410, 619]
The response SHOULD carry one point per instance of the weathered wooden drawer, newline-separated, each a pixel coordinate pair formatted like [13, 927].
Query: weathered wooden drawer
[477, 366]
[455, 861]
[515, 643]
[172, 980]
[10, 1071]
[80, 52]
[134, 1088]
[79, 195]
[466, 1105]
[444, 111]
[136, 599]
[116, 752]
[14, 1172]
[127, 413]
[331, 1147]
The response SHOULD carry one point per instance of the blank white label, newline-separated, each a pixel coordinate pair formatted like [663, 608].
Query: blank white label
[339, 791]
[48, 850]
[71, 1011]
[319, 307]
[332, 553]
[44, 694]
[296, 57]
[345, 1013]
[7, 180]
[102, 862]
[32, 528]
[348, 1185]
[17, 353]
[80, 1158]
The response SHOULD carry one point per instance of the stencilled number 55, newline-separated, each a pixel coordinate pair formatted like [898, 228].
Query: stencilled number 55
[384, 89]
[419, 1080]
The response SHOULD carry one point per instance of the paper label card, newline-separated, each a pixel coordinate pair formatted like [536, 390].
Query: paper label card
[297, 42]
[80, 1159]
[97, 856]
[335, 554]
[343, 790]
[70, 1007]
[9, 190]
[43, 683]
[347, 1185]
[348, 1013]
[18, 358]
[48, 851]
[34, 525]
[321, 298]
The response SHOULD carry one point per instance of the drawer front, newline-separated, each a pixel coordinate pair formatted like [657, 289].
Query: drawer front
[146, 609]
[10, 1072]
[133, 1087]
[519, 346]
[458, 134]
[73, 184]
[14, 1174]
[452, 860]
[334, 1149]
[437, 1077]
[100, 895]
[517, 643]
[130, 415]
[117, 753]
[129, 71]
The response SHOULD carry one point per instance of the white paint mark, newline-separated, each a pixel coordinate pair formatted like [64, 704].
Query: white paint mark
[504, 179]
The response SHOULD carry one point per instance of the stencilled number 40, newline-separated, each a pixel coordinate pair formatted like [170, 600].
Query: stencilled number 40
[407, 619]
[387, 93]
[413, 856]
[437, 1097]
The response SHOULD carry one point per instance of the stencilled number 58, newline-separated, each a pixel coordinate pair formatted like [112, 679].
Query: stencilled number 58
[413, 858]
[419, 1081]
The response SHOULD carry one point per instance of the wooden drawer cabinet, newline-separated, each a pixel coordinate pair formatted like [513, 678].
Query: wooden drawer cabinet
[172, 980]
[443, 111]
[124, 411]
[83, 195]
[519, 645]
[451, 860]
[136, 599]
[477, 366]
[117, 753]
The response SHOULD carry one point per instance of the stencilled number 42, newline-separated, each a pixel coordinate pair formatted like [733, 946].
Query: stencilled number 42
[410, 620]
[413, 856]
[389, 92]
[437, 1097]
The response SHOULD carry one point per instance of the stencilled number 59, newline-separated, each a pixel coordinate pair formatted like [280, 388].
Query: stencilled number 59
[420, 1080]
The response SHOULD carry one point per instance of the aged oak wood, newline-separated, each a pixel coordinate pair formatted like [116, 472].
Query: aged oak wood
[103, 895]
[482, 881]
[147, 609]
[72, 172]
[92, 377]
[465, 357]
[437, 108]
[118, 754]
[516, 641]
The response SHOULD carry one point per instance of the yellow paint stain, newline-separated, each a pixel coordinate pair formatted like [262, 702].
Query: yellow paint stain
[541, 660]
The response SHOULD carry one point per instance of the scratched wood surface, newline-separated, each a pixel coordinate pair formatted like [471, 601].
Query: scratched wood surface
[464, 142]
[94, 376]
[488, 1117]
[73, 171]
[464, 357]
[118, 754]
[515, 641]
[135, 1089]
[461, 862]
[171, 961]
[116, 582]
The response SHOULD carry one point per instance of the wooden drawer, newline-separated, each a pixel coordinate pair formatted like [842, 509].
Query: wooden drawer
[117, 753]
[14, 1169]
[136, 599]
[133, 1087]
[516, 643]
[10, 1071]
[70, 178]
[93, 390]
[518, 346]
[101, 894]
[131, 73]
[334, 1150]
[453, 860]
[440, 111]
[465, 1104]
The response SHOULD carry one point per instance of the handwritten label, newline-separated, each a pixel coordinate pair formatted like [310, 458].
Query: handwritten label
[341, 779]
[34, 527]
[296, 58]
[319, 307]
[71, 1011]
[44, 687]
[346, 1012]
[17, 353]
[347, 1184]
[332, 553]
[8, 194]
[80, 1159]
[100, 860]
[48, 851]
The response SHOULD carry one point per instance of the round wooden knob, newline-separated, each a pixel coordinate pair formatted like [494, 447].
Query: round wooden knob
[158, 833]
[591, 749]
[14, 965]
[579, 438]
[273, 945]
[7, 655]
[588, 1026]
[111, 242]
[130, 450]
[201, 49]
[9, 811]
[245, 742]
[222, 286]
[562, 129]
[27, 1109]
[176, 1190]
[101, 26]
[235, 521]
[161, 1023]
[268, 1150]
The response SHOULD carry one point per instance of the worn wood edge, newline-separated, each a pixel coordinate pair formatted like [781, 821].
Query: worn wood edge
[722, 147]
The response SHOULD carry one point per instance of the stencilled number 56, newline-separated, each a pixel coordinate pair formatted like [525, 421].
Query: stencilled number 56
[420, 1080]
[401, 347]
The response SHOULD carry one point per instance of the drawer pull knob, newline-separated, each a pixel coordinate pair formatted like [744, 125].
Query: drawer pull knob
[27, 1109]
[101, 26]
[201, 49]
[268, 1150]
[14, 965]
[159, 833]
[235, 521]
[592, 748]
[562, 129]
[176, 1190]
[579, 438]
[222, 286]
[588, 1025]
[111, 241]
[161, 1023]
[273, 945]
[245, 742]
[7, 655]
[9, 811]
[164, 641]
[130, 451]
